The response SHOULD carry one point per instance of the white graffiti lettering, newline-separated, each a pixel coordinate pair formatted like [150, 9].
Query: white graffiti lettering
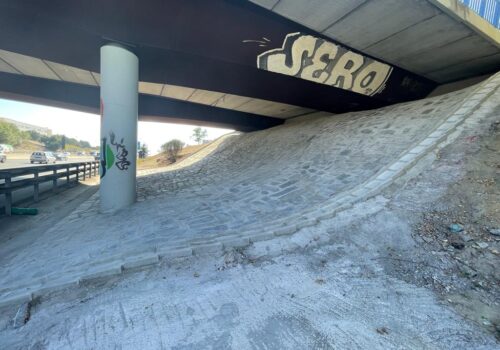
[315, 59]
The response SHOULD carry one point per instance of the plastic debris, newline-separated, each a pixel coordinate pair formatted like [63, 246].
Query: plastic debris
[24, 211]
[456, 228]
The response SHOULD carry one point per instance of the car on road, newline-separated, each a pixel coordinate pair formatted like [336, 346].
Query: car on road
[6, 148]
[61, 156]
[3, 157]
[42, 157]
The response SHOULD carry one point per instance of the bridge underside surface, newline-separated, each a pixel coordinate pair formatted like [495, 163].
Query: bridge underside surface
[238, 65]
[276, 62]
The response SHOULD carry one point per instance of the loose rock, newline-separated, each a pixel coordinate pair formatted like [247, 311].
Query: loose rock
[494, 231]
[23, 315]
[457, 244]
[383, 330]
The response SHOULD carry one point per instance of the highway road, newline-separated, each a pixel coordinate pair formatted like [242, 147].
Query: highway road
[20, 163]
[25, 194]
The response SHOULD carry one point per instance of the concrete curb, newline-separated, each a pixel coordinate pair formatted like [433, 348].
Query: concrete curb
[218, 244]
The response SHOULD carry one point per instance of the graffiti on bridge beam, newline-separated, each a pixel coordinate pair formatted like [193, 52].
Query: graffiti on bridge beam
[307, 57]
[116, 156]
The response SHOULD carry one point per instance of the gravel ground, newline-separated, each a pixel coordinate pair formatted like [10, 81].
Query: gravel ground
[454, 206]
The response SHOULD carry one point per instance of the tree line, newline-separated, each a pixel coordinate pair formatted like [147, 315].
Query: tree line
[11, 135]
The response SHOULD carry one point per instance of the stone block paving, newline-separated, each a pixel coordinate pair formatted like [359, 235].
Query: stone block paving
[249, 182]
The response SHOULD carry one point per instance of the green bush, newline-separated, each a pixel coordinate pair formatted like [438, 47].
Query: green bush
[173, 148]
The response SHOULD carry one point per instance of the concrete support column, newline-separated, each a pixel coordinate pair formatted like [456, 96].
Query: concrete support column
[119, 106]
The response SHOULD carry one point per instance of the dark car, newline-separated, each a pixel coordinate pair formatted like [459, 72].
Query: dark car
[3, 157]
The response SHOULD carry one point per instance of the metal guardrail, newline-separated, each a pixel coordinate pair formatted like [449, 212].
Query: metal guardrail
[488, 9]
[19, 178]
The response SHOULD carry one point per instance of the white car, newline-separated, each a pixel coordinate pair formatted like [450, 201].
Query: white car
[42, 157]
[61, 156]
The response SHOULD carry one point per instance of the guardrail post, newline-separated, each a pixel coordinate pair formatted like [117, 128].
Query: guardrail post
[54, 180]
[34, 176]
[36, 186]
[8, 197]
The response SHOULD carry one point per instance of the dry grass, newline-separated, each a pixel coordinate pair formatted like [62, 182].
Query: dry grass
[29, 146]
[160, 160]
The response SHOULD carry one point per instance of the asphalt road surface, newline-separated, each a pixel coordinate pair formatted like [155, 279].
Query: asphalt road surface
[21, 163]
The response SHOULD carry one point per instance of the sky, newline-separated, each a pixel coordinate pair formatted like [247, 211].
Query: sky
[85, 126]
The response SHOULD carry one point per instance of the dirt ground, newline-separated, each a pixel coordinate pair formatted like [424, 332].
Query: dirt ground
[459, 226]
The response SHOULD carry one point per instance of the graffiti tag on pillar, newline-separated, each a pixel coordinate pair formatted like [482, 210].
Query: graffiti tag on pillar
[121, 153]
[113, 153]
[307, 57]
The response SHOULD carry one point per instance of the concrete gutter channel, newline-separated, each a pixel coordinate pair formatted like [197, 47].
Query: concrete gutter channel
[217, 244]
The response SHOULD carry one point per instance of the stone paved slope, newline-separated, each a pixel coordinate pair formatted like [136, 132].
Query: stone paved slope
[291, 174]
[284, 170]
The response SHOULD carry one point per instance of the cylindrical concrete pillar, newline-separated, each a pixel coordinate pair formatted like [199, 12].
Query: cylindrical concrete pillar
[119, 103]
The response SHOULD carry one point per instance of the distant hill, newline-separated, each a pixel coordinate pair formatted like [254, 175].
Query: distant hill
[27, 137]
[27, 127]
[30, 146]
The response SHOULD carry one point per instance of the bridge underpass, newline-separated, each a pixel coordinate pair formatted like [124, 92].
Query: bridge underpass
[320, 157]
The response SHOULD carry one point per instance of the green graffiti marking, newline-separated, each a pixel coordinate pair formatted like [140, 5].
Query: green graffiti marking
[113, 153]
[110, 157]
